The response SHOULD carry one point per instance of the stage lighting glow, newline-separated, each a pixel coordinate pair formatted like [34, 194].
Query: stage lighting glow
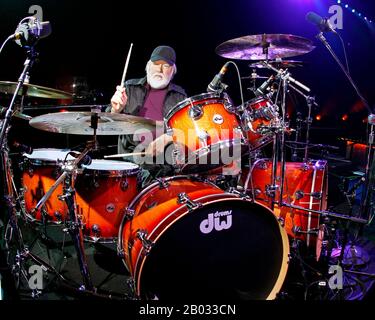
[353, 10]
[318, 117]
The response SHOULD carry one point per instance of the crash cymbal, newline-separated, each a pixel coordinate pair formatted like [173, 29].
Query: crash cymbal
[31, 90]
[283, 64]
[255, 47]
[80, 123]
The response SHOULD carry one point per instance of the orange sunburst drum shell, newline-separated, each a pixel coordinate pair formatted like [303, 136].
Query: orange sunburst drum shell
[40, 171]
[263, 115]
[300, 181]
[210, 137]
[103, 192]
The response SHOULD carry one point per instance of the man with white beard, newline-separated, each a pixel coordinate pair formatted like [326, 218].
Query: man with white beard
[151, 97]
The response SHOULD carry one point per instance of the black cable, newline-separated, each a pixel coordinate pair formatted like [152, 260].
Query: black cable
[239, 81]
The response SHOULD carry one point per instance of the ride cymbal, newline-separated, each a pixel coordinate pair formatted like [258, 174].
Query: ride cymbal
[264, 46]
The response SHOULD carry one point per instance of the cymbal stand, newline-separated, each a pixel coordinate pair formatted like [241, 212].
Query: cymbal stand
[370, 167]
[74, 225]
[310, 101]
[298, 134]
[13, 231]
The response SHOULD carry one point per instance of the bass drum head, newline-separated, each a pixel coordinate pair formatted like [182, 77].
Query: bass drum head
[246, 260]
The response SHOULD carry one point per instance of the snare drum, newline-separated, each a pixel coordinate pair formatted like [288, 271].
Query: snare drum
[186, 239]
[103, 192]
[205, 132]
[260, 114]
[305, 185]
[40, 171]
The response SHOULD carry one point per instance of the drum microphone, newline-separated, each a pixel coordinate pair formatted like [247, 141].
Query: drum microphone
[262, 90]
[86, 160]
[23, 148]
[323, 24]
[29, 33]
[216, 83]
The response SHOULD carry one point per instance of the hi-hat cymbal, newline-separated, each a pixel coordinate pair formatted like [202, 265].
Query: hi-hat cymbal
[31, 90]
[255, 47]
[282, 64]
[80, 123]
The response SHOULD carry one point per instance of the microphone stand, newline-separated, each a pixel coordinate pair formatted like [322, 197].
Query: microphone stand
[29, 62]
[365, 203]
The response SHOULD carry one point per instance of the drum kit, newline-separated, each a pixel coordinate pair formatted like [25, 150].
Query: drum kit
[184, 233]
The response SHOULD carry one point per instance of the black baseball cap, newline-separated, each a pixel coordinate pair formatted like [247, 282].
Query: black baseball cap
[165, 53]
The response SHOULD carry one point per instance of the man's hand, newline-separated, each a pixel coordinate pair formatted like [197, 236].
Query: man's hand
[158, 145]
[119, 100]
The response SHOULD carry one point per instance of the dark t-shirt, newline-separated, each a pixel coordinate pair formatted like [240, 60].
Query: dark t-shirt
[153, 105]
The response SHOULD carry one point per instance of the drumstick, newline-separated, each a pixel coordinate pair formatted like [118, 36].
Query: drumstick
[126, 66]
[125, 155]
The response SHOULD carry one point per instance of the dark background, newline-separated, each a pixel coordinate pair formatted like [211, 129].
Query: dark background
[91, 40]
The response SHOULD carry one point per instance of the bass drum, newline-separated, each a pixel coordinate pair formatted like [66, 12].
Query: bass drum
[185, 239]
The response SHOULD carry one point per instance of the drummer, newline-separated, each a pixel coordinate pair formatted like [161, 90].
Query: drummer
[152, 96]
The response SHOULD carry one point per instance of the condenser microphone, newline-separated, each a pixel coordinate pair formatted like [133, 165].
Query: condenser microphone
[216, 83]
[262, 90]
[323, 24]
[28, 33]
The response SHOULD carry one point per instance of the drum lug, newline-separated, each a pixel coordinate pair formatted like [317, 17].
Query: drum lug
[30, 171]
[129, 213]
[190, 204]
[147, 244]
[163, 183]
[195, 112]
[300, 194]
[124, 184]
[271, 190]
[169, 131]
[238, 193]
[281, 221]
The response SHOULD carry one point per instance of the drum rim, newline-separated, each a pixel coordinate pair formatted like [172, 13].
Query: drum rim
[112, 172]
[43, 159]
[257, 100]
[136, 199]
[137, 272]
[208, 150]
[190, 100]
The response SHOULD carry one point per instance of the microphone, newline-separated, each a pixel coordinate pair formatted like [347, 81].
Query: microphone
[29, 33]
[23, 148]
[216, 84]
[86, 160]
[323, 24]
[262, 90]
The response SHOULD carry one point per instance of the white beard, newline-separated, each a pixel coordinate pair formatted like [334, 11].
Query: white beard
[157, 80]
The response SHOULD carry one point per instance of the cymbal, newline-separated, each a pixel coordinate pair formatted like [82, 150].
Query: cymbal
[252, 47]
[80, 123]
[282, 64]
[35, 91]
[254, 77]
